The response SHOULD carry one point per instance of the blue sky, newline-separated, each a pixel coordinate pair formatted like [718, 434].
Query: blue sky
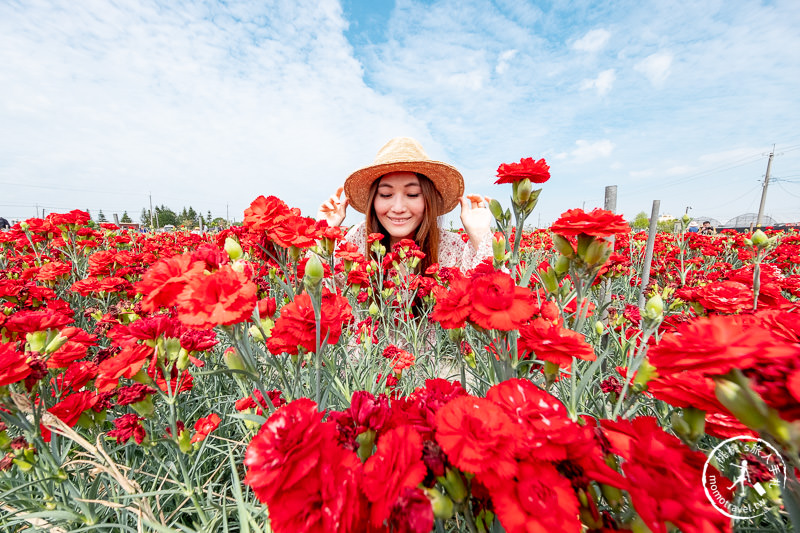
[211, 104]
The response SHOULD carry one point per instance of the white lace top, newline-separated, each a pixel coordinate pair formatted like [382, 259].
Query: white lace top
[453, 251]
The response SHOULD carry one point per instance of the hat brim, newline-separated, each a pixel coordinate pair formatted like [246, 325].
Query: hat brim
[447, 180]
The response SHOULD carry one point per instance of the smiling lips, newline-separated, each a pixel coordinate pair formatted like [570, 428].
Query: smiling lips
[399, 221]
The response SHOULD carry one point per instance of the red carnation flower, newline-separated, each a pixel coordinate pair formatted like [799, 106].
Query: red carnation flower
[453, 304]
[536, 171]
[477, 436]
[296, 325]
[309, 483]
[128, 426]
[538, 499]
[665, 495]
[396, 465]
[126, 363]
[499, 303]
[224, 297]
[204, 426]
[265, 213]
[13, 365]
[724, 297]
[551, 342]
[597, 223]
[165, 280]
[714, 345]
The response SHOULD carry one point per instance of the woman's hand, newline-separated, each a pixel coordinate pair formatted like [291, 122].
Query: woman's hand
[476, 217]
[334, 209]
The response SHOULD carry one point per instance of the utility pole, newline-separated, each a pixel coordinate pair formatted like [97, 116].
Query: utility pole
[764, 190]
[152, 227]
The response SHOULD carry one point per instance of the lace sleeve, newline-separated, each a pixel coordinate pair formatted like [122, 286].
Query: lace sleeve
[454, 252]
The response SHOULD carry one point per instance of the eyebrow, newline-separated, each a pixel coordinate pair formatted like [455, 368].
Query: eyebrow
[409, 184]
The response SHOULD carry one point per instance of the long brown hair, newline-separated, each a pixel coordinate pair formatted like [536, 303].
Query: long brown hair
[427, 236]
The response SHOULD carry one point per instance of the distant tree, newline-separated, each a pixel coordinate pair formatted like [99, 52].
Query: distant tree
[144, 218]
[208, 216]
[666, 226]
[90, 214]
[188, 217]
[219, 222]
[125, 218]
[641, 222]
[165, 216]
[101, 217]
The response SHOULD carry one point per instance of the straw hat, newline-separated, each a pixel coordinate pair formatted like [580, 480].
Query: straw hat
[404, 154]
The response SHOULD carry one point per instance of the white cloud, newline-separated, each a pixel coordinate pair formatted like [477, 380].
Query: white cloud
[655, 67]
[593, 41]
[641, 174]
[588, 151]
[503, 61]
[202, 104]
[603, 82]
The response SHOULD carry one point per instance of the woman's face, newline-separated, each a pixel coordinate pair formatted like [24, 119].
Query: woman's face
[399, 205]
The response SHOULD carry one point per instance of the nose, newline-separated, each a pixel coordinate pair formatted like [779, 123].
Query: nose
[399, 204]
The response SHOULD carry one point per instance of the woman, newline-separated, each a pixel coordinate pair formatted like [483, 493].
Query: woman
[402, 195]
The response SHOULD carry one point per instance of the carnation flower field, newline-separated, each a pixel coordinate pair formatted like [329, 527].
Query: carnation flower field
[272, 378]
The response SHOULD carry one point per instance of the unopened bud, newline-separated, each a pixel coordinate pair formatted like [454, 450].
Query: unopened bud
[599, 328]
[233, 248]
[57, 342]
[598, 252]
[453, 483]
[36, 340]
[759, 238]
[314, 272]
[24, 226]
[654, 308]
[499, 247]
[233, 360]
[496, 209]
[563, 246]
[522, 191]
[374, 309]
[551, 372]
[562, 265]
[549, 280]
[686, 219]
[442, 505]
[741, 404]
[365, 441]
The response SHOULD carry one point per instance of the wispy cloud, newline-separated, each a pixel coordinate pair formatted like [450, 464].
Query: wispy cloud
[593, 41]
[602, 83]
[655, 67]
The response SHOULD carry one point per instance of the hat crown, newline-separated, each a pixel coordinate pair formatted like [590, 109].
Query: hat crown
[401, 149]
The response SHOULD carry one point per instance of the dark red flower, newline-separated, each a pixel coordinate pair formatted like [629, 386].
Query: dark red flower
[411, 513]
[536, 171]
[128, 426]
